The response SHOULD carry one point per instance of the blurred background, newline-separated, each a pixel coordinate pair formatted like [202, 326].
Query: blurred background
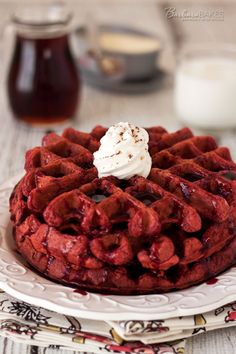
[92, 62]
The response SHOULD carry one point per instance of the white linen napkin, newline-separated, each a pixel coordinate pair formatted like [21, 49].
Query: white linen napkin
[37, 326]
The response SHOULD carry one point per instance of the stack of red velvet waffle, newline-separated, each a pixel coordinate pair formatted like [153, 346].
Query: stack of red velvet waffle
[175, 229]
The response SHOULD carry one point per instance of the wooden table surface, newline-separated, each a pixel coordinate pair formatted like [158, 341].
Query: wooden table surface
[99, 107]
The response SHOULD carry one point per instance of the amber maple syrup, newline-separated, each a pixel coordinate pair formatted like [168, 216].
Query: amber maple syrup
[43, 82]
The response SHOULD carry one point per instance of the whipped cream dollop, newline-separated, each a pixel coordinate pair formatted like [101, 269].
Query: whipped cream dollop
[123, 152]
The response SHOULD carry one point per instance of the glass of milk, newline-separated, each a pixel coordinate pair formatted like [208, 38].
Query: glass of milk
[205, 87]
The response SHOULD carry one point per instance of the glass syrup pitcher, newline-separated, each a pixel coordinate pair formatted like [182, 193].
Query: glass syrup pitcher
[43, 80]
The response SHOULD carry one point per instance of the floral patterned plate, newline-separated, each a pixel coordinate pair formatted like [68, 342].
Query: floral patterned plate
[21, 282]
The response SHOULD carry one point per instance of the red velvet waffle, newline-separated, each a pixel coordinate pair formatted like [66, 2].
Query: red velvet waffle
[170, 231]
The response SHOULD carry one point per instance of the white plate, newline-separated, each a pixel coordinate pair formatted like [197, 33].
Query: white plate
[21, 282]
